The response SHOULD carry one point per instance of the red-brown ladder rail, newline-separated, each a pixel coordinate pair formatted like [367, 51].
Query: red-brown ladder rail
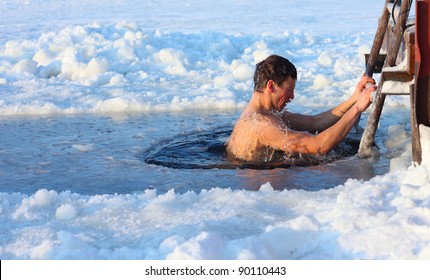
[420, 97]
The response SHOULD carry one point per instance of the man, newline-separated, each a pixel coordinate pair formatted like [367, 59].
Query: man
[264, 128]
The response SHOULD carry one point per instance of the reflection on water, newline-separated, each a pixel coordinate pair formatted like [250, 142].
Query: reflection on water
[312, 178]
[93, 154]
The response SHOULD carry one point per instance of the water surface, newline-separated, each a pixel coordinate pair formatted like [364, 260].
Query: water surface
[95, 154]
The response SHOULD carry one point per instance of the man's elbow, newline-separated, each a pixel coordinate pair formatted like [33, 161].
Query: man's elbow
[324, 143]
[323, 151]
[323, 148]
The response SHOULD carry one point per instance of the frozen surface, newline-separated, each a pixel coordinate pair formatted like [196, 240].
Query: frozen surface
[87, 86]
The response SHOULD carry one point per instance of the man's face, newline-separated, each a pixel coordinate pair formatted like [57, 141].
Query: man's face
[284, 93]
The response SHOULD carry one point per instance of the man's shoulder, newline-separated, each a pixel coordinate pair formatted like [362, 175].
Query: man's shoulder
[257, 117]
[263, 121]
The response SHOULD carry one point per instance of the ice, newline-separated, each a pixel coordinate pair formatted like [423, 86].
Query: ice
[65, 212]
[60, 58]
[321, 82]
[325, 58]
[83, 147]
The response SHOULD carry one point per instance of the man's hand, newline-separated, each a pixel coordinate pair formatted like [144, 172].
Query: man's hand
[362, 85]
[364, 98]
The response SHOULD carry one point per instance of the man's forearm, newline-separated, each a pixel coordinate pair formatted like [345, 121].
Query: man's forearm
[331, 117]
[337, 132]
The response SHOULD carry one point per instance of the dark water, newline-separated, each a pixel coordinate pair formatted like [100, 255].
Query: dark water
[94, 154]
[207, 150]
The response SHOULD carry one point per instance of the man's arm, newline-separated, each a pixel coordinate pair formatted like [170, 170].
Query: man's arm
[322, 121]
[312, 123]
[291, 141]
[301, 142]
[319, 122]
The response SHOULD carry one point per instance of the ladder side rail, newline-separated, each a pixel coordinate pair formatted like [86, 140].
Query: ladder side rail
[378, 40]
[366, 143]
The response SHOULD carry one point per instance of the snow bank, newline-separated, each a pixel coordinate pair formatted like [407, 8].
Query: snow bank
[387, 217]
[123, 67]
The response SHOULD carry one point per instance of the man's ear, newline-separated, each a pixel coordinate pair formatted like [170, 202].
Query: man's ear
[271, 86]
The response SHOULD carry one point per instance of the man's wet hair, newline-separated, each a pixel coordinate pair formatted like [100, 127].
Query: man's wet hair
[274, 67]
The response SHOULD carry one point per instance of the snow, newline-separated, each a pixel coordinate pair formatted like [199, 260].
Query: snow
[62, 58]
[396, 87]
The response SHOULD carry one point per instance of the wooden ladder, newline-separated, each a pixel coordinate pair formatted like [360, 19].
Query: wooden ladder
[392, 72]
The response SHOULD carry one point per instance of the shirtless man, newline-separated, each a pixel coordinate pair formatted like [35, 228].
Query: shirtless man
[264, 127]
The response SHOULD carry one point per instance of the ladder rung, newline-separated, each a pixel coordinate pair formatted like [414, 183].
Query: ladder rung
[396, 93]
[396, 76]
